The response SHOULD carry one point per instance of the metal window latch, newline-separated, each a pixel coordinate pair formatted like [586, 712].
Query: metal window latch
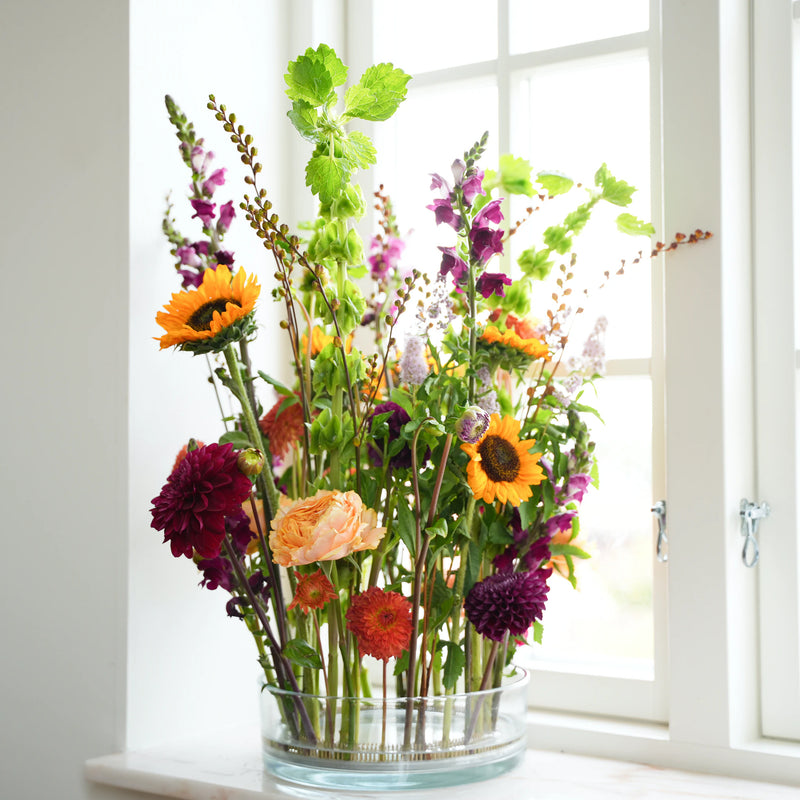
[751, 514]
[660, 510]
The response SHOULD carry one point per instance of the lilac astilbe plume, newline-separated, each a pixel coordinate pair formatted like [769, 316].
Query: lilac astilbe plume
[507, 602]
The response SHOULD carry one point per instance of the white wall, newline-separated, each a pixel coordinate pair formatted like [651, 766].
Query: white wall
[87, 156]
[191, 668]
[63, 426]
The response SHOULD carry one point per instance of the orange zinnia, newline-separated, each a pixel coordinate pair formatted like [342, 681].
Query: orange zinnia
[313, 591]
[381, 622]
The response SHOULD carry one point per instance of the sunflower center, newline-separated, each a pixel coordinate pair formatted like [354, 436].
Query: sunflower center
[499, 459]
[201, 318]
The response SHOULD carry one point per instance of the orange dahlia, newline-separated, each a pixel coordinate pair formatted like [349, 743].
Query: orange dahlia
[312, 591]
[501, 466]
[381, 622]
[282, 426]
[209, 318]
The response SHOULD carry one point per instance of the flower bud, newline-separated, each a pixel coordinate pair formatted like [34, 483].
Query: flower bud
[251, 462]
[472, 425]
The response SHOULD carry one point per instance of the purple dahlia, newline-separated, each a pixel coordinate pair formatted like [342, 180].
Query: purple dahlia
[507, 602]
[204, 488]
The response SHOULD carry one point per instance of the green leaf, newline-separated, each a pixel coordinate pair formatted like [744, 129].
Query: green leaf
[304, 117]
[538, 630]
[309, 79]
[279, 387]
[527, 513]
[515, 175]
[568, 550]
[303, 654]
[378, 94]
[238, 439]
[536, 263]
[614, 191]
[554, 183]
[439, 528]
[327, 176]
[358, 149]
[557, 238]
[453, 665]
[576, 220]
[634, 226]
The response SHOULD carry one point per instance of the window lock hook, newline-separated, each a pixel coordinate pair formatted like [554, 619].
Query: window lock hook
[751, 514]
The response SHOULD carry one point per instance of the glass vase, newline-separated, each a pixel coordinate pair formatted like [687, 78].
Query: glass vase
[394, 743]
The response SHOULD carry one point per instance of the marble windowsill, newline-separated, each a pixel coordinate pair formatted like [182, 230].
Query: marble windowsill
[229, 766]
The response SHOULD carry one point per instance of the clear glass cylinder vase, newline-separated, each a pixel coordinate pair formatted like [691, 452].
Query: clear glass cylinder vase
[396, 743]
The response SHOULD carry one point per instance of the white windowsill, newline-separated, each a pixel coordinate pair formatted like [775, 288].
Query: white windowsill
[229, 765]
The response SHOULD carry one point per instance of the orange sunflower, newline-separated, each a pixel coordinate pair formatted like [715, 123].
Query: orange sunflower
[533, 347]
[214, 315]
[500, 465]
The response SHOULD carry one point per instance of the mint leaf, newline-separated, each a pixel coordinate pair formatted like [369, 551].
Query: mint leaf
[358, 149]
[309, 79]
[336, 68]
[614, 191]
[554, 183]
[536, 263]
[304, 117]
[556, 238]
[327, 176]
[378, 94]
[302, 653]
[634, 226]
[515, 175]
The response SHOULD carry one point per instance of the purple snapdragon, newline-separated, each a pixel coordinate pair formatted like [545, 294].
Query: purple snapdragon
[490, 283]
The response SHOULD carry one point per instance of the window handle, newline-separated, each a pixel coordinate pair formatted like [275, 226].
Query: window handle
[660, 510]
[751, 514]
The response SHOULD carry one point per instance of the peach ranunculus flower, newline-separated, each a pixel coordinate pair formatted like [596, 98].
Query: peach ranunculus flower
[325, 527]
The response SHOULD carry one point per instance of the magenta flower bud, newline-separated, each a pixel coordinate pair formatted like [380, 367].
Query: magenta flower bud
[198, 155]
[472, 425]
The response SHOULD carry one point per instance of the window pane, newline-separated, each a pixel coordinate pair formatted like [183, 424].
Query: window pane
[432, 128]
[543, 24]
[602, 116]
[419, 35]
[609, 619]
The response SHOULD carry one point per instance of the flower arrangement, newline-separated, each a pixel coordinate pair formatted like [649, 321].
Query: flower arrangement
[403, 501]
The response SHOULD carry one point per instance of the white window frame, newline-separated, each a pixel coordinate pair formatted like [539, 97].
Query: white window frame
[712, 162]
[775, 254]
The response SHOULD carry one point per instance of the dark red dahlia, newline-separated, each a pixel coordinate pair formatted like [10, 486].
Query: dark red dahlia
[206, 487]
[507, 602]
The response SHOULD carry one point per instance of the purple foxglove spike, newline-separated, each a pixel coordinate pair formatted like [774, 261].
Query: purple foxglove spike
[485, 243]
[453, 265]
[188, 256]
[197, 159]
[492, 283]
[472, 187]
[226, 214]
[191, 278]
[204, 210]
[443, 210]
[459, 168]
[438, 182]
[489, 213]
[216, 178]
